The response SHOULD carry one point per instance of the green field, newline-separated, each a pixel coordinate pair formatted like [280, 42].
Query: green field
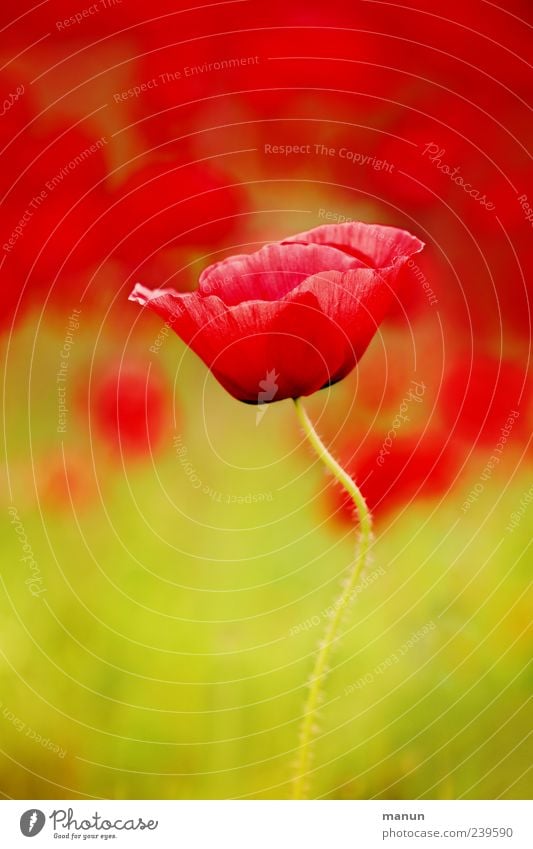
[183, 596]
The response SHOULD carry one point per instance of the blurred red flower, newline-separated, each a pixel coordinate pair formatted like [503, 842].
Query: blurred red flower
[421, 465]
[297, 314]
[164, 205]
[51, 185]
[479, 396]
[129, 407]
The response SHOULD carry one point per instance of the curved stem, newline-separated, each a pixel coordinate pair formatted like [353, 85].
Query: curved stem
[331, 634]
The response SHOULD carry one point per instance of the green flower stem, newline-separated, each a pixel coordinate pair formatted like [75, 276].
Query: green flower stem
[331, 634]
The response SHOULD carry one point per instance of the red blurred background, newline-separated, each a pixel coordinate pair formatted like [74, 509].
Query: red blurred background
[139, 142]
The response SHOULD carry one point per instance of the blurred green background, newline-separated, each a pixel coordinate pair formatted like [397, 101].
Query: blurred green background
[169, 653]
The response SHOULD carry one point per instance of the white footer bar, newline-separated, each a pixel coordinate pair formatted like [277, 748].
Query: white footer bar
[267, 824]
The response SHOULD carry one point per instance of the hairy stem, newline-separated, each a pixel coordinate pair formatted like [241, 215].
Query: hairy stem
[320, 668]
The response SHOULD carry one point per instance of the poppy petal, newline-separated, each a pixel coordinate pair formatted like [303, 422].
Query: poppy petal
[271, 272]
[374, 244]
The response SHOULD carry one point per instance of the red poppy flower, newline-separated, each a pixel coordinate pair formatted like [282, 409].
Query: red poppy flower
[415, 466]
[130, 408]
[297, 314]
[52, 197]
[163, 205]
[483, 399]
